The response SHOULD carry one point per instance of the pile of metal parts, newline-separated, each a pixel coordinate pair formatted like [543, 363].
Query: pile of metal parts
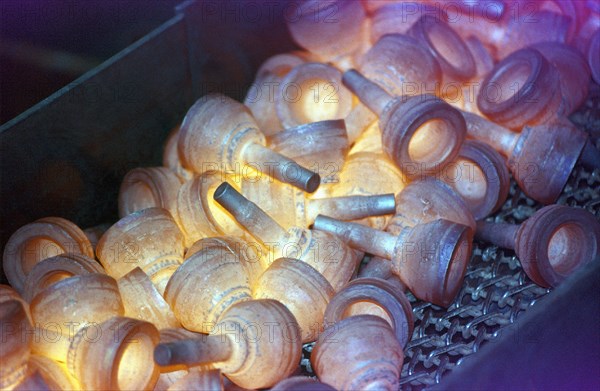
[496, 290]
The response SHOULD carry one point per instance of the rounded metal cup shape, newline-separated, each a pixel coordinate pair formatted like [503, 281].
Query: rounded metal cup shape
[52, 270]
[149, 239]
[34, 242]
[358, 353]
[69, 305]
[523, 89]
[148, 187]
[242, 345]
[373, 296]
[204, 287]
[122, 350]
[301, 288]
[327, 28]
[142, 300]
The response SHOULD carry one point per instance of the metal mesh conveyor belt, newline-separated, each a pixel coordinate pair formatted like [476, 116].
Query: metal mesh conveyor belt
[496, 290]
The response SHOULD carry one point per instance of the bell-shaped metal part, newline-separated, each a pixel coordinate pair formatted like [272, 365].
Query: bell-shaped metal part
[551, 245]
[149, 239]
[375, 359]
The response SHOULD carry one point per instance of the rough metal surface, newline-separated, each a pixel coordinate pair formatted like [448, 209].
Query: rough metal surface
[496, 290]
